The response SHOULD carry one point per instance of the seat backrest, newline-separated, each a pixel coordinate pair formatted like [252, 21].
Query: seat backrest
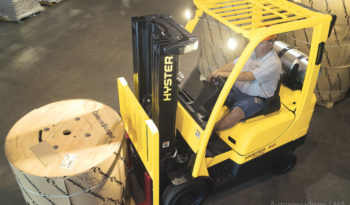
[273, 103]
[290, 80]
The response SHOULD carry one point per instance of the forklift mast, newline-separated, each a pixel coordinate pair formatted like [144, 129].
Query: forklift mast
[157, 43]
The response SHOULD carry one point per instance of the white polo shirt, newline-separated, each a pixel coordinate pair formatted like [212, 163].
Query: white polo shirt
[266, 70]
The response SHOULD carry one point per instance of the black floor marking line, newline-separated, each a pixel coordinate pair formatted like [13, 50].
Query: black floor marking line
[39, 192]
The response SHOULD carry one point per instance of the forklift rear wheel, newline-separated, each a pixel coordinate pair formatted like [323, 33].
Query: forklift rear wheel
[285, 164]
[189, 193]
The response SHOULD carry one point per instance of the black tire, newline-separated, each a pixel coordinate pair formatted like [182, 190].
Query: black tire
[190, 193]
[284, 164]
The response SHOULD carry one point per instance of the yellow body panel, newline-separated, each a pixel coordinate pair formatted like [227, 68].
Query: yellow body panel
[142, 132]
[257, 132]
[188, 128]
[289, 98]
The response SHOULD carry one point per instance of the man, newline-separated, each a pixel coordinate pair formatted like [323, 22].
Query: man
[258, 79]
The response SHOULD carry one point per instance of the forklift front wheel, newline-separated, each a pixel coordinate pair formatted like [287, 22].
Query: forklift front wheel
[189, 193]
[285, 164]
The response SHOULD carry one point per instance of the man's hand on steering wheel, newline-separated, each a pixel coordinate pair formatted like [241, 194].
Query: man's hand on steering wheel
[212, 75]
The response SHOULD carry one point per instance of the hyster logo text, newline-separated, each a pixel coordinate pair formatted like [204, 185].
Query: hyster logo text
[168, 81]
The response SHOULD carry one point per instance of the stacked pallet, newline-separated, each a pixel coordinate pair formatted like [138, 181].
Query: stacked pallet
[69, 152]
[334, 80]
[16, 10]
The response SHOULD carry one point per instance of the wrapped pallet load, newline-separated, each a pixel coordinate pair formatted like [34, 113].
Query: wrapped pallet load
[334, 80]
[69, 152]
[16, 10]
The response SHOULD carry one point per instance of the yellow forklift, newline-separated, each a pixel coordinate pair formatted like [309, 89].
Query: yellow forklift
[174, 156]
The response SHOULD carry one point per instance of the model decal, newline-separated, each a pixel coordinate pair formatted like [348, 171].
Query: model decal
[256, 154]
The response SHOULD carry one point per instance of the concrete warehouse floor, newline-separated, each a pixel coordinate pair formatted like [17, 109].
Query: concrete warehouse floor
[77, 48]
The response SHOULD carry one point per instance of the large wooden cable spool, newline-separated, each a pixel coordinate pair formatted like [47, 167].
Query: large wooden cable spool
[69, 152]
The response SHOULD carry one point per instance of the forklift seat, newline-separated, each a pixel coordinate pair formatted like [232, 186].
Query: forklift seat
[290, 79]
[208, 96]
[272, 103]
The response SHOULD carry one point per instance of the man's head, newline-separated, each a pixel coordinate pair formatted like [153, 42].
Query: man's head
[265, 46]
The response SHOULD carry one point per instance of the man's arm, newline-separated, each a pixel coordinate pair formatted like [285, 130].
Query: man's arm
[223, 71]
[246, 76]
[226, 70]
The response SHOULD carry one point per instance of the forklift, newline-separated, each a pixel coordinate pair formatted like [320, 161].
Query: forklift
[174, 157]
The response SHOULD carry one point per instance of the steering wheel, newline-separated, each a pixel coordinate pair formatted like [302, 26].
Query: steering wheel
[219, 81]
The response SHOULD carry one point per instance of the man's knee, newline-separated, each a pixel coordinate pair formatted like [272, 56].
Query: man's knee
[237, 114]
